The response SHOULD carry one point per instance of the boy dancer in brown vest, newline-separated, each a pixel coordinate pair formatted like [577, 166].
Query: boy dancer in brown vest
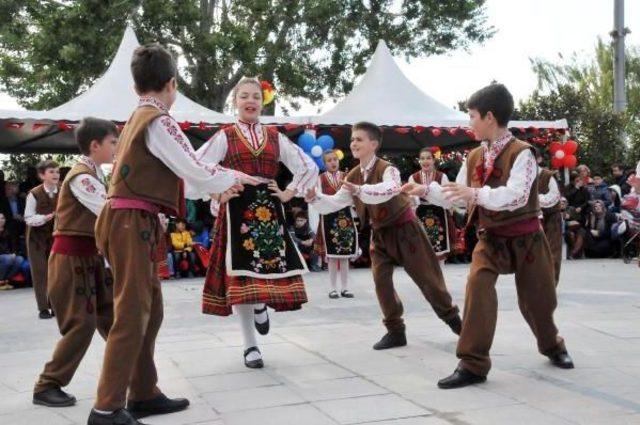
[39, 211]
[499, 182]
[153, 155]
[549, 196]
[398, 237]
[79, 289]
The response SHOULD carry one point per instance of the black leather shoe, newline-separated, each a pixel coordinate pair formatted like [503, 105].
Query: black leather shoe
[252, 364]
[391, 340]
[460, 378]
[45, 314]
[346, 294]
[159, 405]
[562, 360]
[119, 417]
[455, 324]
[262, 328]
[334, 295]
[53, 397]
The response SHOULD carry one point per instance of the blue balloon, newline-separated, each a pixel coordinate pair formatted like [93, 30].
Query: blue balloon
[320, 163]
[306, 142]
[326, 142]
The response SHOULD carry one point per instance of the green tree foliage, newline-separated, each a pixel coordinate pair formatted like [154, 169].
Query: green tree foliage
[50, 51]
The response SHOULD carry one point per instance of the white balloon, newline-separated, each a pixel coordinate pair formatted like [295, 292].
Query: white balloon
[316, 151]
[560, 154]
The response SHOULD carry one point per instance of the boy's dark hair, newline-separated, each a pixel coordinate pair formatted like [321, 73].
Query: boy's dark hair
[494, 98]
[618, 166]
[45, 165]
[301, 214]
[152, 67]
[180, 220]
[91, 129]
[594, 175]
[372, 130]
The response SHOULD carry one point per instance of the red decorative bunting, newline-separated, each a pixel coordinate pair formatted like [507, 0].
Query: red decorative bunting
[185, 125]
[436, 132]
[402, 130]
[14, 125]
[38, 125]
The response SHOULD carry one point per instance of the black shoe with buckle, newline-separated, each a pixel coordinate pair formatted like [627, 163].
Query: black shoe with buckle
[159, 405]
[562, 360]
[262, 328]
[253, 364]
[53, 397]
[119, 417]
[460, 378]
[346, 294]
[391, 340]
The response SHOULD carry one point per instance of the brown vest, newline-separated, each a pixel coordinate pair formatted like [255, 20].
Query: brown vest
[44, 205]
[138, 174]
[384, 214]
[73, 218]
[501, 171]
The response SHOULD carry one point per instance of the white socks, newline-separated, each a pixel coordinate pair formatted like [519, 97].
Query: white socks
[332, 263]
[247, 326]
[344, 273]
[341, 265]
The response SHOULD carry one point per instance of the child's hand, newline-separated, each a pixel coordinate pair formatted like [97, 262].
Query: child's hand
[48, 217]
[456, 192]
[283, 195]
[354, 189]
[310, 195]
[413, 189]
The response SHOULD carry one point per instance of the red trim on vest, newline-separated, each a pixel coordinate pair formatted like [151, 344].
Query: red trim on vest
[78, 246]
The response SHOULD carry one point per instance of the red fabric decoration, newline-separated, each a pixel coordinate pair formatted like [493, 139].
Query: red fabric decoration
[63, 126]
[570, 161]
[419, 129]
[202, 125]
[185, 125]
[14, 125]
[453, 131]
[436, 132]
[290, 127]
[38, 125]
[402, 130]
[471, 134]
[570, 147]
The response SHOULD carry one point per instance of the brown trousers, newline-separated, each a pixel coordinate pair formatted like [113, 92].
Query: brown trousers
[129, 239]
[552, 225]
[529, 257]
[407, 245]
[38, 249]
[82, 299]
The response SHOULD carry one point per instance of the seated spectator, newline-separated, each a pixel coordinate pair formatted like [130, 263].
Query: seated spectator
[165, 258]
[184, 259]
[201, 234]
[595, 237]
[578, 196]
[304, 237]
[600, 191]
[10, 262]
[615, 196]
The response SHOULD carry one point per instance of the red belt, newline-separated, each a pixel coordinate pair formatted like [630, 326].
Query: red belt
[133, 204]
[407, 216]
[519, 228]
[78, 246]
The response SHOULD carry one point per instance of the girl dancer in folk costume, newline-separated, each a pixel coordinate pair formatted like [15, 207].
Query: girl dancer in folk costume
[437, 221]
[254, 262]
[337, 237]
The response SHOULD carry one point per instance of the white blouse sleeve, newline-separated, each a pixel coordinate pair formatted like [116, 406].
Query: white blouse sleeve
[30, 217]
[383, 191]
[552, 197]
[167, 142]
[89, 191]
[326, 204]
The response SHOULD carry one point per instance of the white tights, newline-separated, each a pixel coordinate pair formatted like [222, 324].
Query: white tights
[341, 265]
[247, 326]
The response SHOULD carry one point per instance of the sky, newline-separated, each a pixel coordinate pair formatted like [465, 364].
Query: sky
[525, 29]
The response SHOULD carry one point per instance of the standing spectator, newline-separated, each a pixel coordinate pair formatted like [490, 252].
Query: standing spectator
[600, 190]
[13, 209]
[31, 181]
[10, 262]
[620, 178]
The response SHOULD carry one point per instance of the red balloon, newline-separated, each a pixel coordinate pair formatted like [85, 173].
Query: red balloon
[570, 147]
[556, 162]
[570, 161]
[419, 129]
[554, 147]
[436, 132]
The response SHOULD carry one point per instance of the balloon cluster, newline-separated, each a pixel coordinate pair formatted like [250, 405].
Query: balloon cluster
[315, 148]
[563, 154]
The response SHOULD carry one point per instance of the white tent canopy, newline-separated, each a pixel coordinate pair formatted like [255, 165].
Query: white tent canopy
[386, 97]
[113, 97]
